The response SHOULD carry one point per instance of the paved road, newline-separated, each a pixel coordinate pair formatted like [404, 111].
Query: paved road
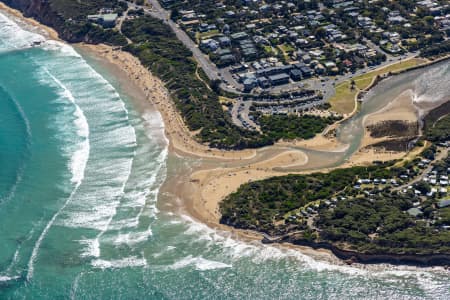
[208, 67]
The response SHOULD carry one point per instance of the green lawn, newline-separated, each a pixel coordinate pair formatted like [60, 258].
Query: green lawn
[343, 102]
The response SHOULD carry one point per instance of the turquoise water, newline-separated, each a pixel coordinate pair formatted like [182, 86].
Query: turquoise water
[81, 165]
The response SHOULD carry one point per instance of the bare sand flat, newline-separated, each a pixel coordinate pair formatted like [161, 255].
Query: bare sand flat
[401, 108]
[319, 142]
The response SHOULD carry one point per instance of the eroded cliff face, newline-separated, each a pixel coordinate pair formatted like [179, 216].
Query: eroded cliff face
[42, 11]
[39, 10]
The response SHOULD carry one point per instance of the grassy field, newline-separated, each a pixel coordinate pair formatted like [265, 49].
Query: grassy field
[343, 101]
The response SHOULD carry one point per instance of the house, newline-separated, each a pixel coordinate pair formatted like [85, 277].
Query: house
[189, 16]
[203, 27]
[273, 71]
[348, 63]
[319, 69]
[396, 19]
[264, 82]
[227, 59]
[224, 41]
[364, 22]
[279, 79]
[106, 20]
[296, 74]
[248, 49]
[306, 71]
[239, 36]
[230, 14]
[329, 64]
[209, 44]
[306, 59]
[316, 53]
[238, 68]
[250, 83]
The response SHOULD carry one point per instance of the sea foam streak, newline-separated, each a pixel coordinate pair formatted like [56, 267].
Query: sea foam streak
[81, 155]
[199, 263]
[258, 253]
[14, 37]
[78, 165]
[127, 262]
[8, 278]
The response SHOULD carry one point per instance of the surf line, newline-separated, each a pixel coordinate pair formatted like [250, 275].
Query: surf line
[76, 177]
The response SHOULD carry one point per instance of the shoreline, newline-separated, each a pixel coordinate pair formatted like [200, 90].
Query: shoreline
[182, 142]
[44, 30]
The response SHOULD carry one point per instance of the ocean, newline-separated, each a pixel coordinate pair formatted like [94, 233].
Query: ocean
[81, 216]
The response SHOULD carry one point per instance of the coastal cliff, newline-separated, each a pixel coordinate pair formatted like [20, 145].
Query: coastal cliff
[70, 29]
[42, 12]
[351, 256]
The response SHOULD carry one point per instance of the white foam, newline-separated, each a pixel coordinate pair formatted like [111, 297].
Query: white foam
[13, 37]
[8, 278]
[199, 263]
[80, 156]
[260, 253]
[91, 247]
[60, 48]
[133, 238]
[128, 262]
